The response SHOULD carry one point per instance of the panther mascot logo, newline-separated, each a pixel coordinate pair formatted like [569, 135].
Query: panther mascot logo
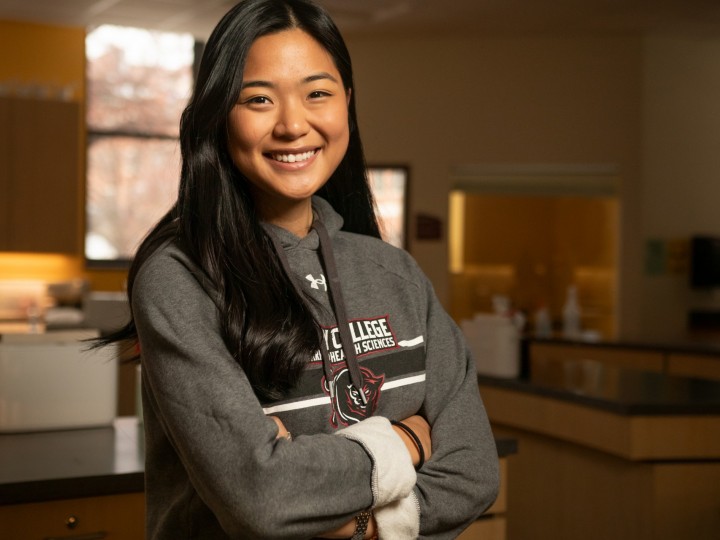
[347, 405]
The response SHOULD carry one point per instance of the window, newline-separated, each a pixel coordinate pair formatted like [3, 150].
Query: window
[389, 185]
[139, 82]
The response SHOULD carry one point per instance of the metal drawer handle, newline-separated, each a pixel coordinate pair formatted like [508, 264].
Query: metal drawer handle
[91, 536]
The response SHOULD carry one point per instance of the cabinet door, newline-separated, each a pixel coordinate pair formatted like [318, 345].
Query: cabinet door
[44, 176]
[4, 174]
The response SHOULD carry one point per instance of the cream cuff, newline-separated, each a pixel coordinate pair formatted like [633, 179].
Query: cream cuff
[399, 520]
[393, 476]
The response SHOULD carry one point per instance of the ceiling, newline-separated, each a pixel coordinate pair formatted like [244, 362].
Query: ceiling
[372, 17]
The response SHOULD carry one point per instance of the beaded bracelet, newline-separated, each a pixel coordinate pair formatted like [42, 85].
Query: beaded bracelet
[361, 524]
[415, 439]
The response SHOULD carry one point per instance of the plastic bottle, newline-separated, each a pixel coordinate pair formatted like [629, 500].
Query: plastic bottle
[571, 314]
[543, 324]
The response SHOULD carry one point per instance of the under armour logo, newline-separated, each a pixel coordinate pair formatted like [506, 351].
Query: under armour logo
[316, 283]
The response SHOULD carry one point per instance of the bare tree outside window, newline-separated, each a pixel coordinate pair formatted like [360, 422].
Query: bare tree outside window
[139, 82]
[389, 186]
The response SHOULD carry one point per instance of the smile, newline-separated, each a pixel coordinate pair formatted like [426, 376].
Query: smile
[293, 158]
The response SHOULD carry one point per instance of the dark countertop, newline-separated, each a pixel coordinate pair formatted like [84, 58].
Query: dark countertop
[68, 464]
[618, 390]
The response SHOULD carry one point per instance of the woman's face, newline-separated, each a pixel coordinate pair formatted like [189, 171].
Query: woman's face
[289, 129]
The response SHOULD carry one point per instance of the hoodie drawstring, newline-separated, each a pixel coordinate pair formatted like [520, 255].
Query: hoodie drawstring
[338, 304]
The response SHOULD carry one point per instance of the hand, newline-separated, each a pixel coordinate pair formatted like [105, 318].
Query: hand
[283, 433]
[421, 428]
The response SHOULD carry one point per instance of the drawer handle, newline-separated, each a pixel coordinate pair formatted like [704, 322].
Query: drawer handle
[72, 521]
[91, 536]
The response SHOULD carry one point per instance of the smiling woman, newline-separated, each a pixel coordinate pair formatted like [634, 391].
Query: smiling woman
[300, 378]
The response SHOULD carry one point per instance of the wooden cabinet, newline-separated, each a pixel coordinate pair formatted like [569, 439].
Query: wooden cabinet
[40, 167]
[627, 358]
[109, 517]
[656, 360]
[586, 473]
[492, 524]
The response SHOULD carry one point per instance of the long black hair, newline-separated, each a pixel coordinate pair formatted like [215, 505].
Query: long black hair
[267, 326]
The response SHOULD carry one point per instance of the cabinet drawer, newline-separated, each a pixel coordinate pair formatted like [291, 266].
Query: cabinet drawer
[112, 517]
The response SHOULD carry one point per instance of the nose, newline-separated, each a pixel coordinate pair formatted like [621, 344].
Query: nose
[292, 121]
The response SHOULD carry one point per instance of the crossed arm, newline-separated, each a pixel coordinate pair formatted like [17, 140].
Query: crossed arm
[420, 427]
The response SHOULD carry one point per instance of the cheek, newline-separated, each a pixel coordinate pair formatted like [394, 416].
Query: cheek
[337, 126]
[244, 135]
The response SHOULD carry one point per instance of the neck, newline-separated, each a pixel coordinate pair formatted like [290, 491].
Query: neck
[296, 218]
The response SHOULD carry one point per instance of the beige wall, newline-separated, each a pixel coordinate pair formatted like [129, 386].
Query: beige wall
[681, 167]
[437, 103]
[648, 106]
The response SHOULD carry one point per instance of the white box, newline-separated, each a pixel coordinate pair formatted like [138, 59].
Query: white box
[494, 342]
[51, 381]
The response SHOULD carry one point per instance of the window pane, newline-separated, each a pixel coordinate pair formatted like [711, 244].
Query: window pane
[139, 81]
[389, 186]
[132, 182]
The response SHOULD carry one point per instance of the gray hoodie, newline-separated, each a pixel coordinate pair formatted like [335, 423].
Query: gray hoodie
[214, 467]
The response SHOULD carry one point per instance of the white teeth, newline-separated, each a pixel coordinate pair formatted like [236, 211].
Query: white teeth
[293, 158]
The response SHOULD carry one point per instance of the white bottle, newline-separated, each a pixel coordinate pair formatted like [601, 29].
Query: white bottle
[543, 324]
[571, 314]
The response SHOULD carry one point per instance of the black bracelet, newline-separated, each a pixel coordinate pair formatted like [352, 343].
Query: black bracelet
[415, 439]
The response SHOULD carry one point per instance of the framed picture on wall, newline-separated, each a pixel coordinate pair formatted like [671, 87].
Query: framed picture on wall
[389, 184]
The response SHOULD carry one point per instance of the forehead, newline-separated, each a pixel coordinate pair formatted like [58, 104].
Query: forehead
[290, 54]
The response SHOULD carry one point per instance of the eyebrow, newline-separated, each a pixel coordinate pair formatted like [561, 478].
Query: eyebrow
[323, 75]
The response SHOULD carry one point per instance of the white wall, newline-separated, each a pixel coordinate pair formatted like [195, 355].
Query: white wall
[436, 103]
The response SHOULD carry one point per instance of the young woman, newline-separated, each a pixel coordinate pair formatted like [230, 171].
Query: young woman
[265, 305]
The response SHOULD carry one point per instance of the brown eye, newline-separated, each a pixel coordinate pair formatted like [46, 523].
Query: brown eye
[317, 94]
[259, 100]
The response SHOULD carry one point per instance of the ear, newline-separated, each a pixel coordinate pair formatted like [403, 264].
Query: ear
[348, 95]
